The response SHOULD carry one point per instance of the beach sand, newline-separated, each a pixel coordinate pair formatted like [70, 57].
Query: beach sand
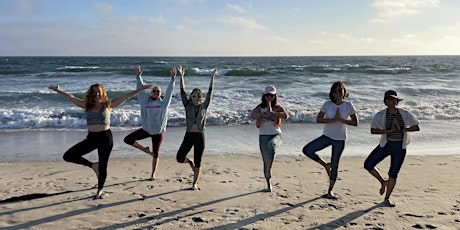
[59, 195]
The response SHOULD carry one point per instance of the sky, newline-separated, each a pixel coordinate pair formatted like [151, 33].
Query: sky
[229, 28]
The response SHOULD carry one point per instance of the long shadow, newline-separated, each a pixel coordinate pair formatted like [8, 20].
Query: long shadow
[344, 220]
[78, 212]
[262, 216]
[42, 195]
[175, 212]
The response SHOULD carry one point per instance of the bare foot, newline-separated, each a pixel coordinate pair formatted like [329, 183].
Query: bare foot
[195, 187]
[331, 196]
[269, 188]
[192, 165]
[147, 150]
[328, 169]
[98, 195]
[152, 177]
[384, 185]
[95, 167]
[388, 203]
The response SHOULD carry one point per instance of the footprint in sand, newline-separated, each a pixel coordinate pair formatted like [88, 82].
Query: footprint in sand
[424, 226]
[232, 211]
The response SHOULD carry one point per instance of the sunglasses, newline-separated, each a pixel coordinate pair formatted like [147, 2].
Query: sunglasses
[196, 96]
[269, 95]
[156, 91]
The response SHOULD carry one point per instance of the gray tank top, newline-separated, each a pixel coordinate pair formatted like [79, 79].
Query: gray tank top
[102, 117]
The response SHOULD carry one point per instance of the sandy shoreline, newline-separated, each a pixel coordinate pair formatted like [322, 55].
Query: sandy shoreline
[427, 195]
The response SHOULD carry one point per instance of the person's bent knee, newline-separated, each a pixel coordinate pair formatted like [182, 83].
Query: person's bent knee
[310, 154]
[67, 157]
[128, 140]
[368, 166]
[180, 159]
[306, 152]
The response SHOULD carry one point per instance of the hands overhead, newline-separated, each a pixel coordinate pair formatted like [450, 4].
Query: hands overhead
[53, 87]
[173, 73]
[138, 70]
[181, 71]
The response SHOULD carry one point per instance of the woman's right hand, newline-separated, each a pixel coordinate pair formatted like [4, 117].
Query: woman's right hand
[138, 70]
[181, 71]
[53, 87]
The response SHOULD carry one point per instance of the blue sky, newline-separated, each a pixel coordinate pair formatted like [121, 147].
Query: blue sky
[229, 28]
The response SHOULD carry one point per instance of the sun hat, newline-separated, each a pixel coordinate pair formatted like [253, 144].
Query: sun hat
[270, 89]
[393, 94]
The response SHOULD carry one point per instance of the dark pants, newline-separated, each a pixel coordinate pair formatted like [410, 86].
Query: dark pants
[393, 149]
[321, 143]
[195, 140]
[103, 142]
[142, 134]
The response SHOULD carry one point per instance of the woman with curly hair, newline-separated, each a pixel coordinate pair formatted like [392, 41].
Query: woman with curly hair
[97, 107]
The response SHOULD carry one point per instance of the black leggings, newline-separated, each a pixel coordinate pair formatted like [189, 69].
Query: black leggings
[103, 142]
[142, 134]
[190, 140]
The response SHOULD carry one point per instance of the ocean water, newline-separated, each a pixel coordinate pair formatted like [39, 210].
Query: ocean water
[429, 85]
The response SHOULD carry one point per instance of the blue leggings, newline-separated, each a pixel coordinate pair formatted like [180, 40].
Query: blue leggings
[393, 149]
[268, 145]
[321, 143]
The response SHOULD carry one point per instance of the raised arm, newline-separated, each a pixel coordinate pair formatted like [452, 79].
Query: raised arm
[170, 88]
[182, 73]
[119, 101]
[142, 96]
[183, 95]
[77, 101]
[211, 86]
[213, 74]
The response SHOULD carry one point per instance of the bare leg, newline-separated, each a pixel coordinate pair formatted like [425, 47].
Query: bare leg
[98, 194]
[190, 162]
[391, 184]
[142, 148]
[155, 162]
[330, 194]
[196, 174]
[269, 175]
[374, 172]
[326, 166]
[95, 167]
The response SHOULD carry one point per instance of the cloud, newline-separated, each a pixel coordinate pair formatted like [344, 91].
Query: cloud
[236, 8]
[159, 20]
[246, 24]
[342, 37]
[278, 38]
[390, 10]
[133, 19]
[103, 8]
[183, 29]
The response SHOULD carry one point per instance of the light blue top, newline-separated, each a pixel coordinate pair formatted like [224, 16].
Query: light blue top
[154, 113]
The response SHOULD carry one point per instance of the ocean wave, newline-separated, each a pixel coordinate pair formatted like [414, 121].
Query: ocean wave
[127, 118]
